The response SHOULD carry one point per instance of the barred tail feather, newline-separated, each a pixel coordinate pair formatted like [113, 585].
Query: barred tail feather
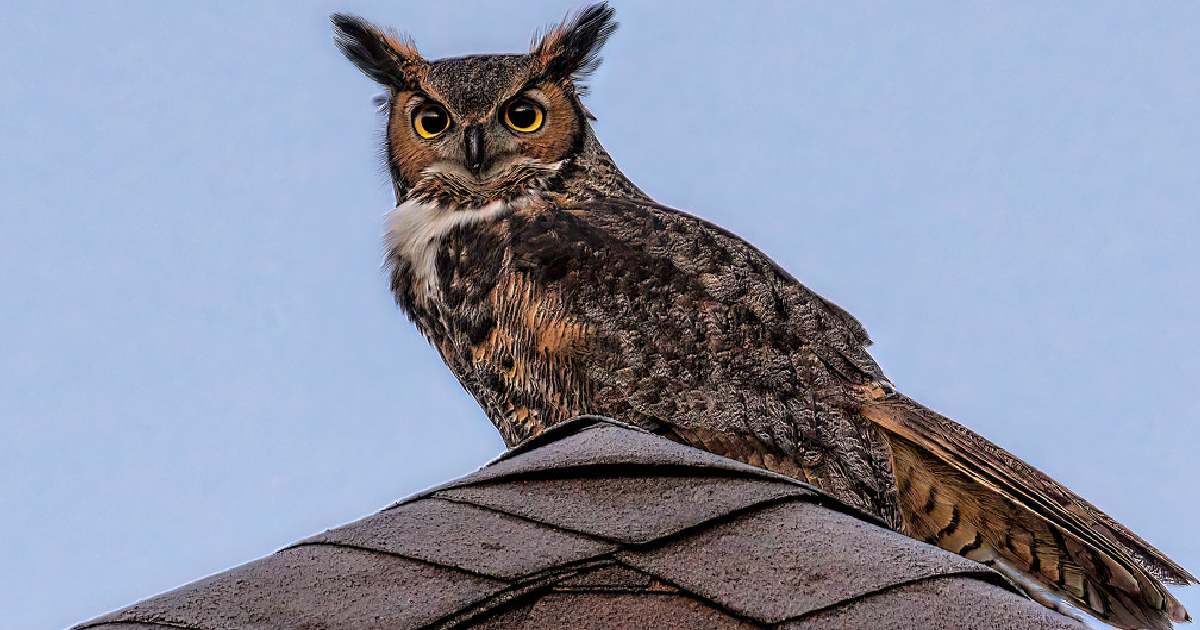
[967, 495]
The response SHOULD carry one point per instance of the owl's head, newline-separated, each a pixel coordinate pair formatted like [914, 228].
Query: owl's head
[476, 129]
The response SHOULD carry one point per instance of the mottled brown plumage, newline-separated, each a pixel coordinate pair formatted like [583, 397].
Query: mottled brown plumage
[553, 287]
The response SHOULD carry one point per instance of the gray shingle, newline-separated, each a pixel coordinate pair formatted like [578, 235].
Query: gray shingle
[947, 602]
[794, 558]
[506, 618]
[605, 611]
[315, 587]
[612, 577]
[465, 537]
[630, 509]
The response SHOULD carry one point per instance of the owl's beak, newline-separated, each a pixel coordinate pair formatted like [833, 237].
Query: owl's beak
[474, 149]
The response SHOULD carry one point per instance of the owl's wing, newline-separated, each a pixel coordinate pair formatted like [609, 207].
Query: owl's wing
[661, 257]
[693, 328]
[1063, 541]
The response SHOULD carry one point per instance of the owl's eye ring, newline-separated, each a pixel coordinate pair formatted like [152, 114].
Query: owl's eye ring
[430, 120]
[524, 115]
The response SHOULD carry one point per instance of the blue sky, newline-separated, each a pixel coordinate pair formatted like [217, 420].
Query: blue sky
[201, 362]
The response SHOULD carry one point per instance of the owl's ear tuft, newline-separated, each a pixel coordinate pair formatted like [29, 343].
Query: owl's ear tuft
[388, 58]
[570, 51]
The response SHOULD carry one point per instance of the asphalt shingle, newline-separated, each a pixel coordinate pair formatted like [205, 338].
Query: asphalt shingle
[465, 537]
[794, 558]
[315, 587]
[621, 508]
[605, 611]
[953, 603]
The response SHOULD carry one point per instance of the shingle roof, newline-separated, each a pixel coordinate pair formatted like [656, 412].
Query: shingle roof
[596, 524]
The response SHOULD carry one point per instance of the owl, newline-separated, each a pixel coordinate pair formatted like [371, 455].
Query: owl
[553, 287]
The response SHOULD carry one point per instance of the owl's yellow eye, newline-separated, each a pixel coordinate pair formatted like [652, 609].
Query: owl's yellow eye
[430, 120]
[524, 116]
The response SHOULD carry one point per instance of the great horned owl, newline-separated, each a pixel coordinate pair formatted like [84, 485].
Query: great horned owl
[553, 287]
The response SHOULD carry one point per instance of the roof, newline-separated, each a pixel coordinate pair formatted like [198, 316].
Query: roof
[596, 524]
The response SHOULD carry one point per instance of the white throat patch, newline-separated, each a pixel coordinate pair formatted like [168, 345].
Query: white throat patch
[415, 230]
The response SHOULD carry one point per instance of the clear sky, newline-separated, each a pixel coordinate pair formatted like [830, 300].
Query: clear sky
[200, 361]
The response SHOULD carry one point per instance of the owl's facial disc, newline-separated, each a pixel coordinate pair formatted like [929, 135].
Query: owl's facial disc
[487, 145]
[500, 145]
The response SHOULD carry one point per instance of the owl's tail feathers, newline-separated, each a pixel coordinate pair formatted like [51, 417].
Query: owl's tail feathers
[965, 494]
